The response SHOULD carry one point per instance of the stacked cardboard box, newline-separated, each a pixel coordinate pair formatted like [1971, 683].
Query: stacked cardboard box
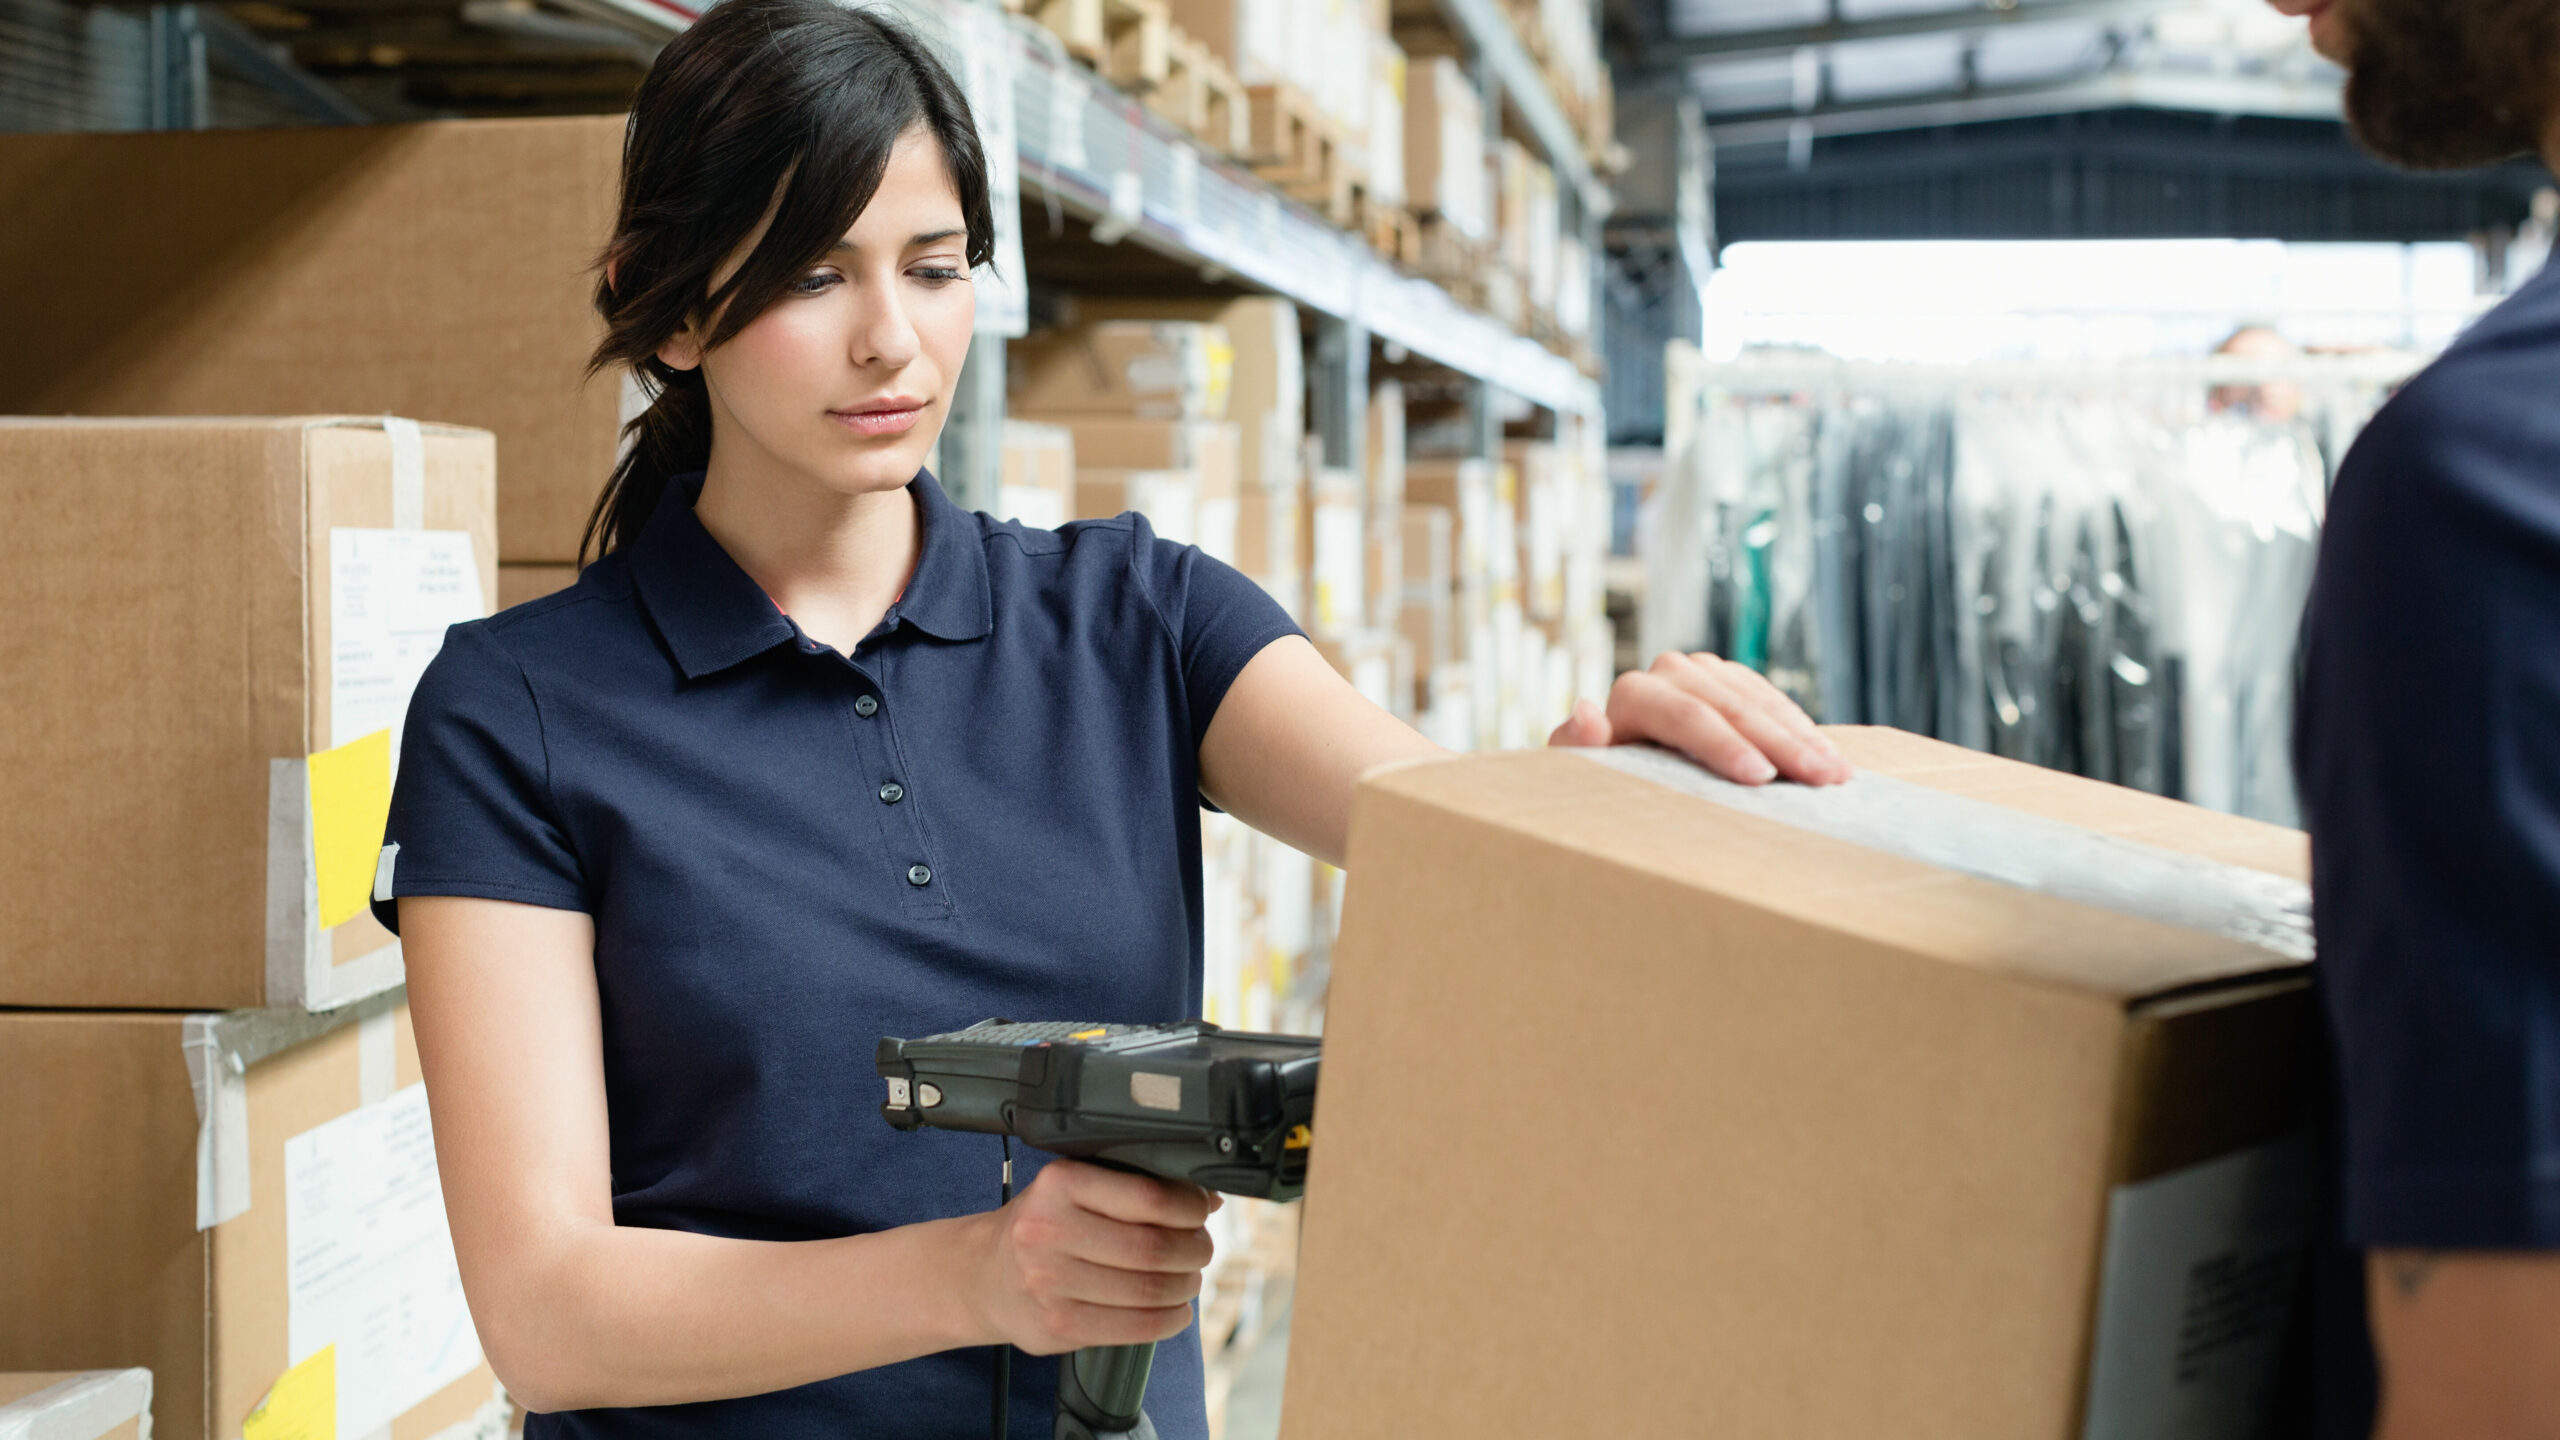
[441, 269]
[222, 1165]
[76, 1405]
[1141, 402]
[1265, 399]
[1962, 1101]
[1037, 475]
[1444, 162]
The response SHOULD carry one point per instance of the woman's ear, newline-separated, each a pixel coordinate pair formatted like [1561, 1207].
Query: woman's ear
[682, 352]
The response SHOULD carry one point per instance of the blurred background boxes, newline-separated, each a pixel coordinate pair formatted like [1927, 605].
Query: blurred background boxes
[218, 622]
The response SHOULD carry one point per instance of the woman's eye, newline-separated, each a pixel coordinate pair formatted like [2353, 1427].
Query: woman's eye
[812, 284]
[935, 274]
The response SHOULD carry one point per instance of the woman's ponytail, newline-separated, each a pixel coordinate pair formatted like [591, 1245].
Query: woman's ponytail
[754, 141]
[670, 438]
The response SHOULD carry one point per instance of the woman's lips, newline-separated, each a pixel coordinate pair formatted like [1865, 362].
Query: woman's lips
[869, 422]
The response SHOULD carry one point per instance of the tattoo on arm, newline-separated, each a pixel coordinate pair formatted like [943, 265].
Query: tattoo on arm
[2411, 1270]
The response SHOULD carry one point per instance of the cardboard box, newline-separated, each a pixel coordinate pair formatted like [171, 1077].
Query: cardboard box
[1337, 556]
[1812, 1136]
[1170, 499]
[1267, 390]
[1378, 663]
[1444, 161]
[142, 1234]
[75, 1405]
[1152, 370]
[1253, 38]
[520, 583]
[441, 270]
[1037, 474]
[199, 800]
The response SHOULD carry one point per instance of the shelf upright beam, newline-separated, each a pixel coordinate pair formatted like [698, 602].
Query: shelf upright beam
[1339, 391]
[973, 436]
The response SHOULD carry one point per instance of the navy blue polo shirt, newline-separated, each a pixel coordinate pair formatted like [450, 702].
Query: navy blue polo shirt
[990, 808]
[2428, 747]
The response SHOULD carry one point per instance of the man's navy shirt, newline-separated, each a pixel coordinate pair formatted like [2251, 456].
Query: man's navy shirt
[991, 808]
[2428, 746]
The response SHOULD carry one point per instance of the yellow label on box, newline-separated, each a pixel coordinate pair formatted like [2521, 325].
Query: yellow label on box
[304, 1403]
[350, 803]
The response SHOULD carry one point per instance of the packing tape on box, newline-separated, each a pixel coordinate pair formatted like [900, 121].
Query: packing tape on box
[81, 1407]
[2009, 847]
[408, 473]
[220, 1047]
[302, 967]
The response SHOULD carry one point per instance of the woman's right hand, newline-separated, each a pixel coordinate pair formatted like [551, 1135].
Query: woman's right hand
[1092, 1256]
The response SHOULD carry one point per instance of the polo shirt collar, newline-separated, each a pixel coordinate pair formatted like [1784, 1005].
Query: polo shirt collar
[714, 615]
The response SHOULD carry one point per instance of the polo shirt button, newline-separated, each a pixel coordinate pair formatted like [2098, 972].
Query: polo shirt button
[919, 875]
[867, 706]
[892, 793]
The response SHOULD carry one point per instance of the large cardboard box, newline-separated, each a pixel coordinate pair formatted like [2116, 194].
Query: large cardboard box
[245, 1203]
[1957, 1102]
[1149, 370]
[214, 629]
[78, 1405]
[440, 269]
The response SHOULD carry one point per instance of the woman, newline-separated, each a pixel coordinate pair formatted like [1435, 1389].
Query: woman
[811, 756]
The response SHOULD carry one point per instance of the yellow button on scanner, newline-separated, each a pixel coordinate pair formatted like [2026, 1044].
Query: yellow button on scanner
[1094, 1034]
[1300, 1138]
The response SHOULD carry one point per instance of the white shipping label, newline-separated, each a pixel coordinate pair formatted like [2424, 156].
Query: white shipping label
[391, 595]
[369, 1263]
[2201, 1270]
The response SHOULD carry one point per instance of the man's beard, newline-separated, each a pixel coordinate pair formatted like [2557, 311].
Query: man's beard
[2452, 84]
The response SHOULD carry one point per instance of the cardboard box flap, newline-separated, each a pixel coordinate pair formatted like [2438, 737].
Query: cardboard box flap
[1967, 881]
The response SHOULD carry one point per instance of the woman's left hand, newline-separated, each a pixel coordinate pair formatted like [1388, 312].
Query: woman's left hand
[1725, 716]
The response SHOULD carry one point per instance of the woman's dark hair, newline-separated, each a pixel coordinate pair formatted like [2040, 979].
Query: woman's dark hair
[786, 106]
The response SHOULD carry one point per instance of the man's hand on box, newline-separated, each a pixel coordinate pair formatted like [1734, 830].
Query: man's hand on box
[1725, 716]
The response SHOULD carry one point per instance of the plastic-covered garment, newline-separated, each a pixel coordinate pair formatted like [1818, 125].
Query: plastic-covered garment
[2104, 578]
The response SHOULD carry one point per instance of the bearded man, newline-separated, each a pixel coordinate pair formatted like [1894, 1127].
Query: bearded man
[2428, 746]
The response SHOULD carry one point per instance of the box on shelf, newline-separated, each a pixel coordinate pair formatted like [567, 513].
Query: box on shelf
[1512, 169]
[1268, 541]
[1382, 142]
[439, 269]
[198, 807]
[1964, 1038]
[1250, 37]
[1547, 513]
[1384, 448]
[1337, 559]
[1378, 663]
[1444, 160]
[1146, 369]
[1267, 389]
[1170, 499]
[1426, 599]
[1036, 468]
[76, 1404]
[520, 583]
[247, 1204]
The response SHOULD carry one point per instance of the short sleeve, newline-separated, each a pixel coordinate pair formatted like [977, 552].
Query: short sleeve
[471, 812]
[2429, 751]
[1219, 619]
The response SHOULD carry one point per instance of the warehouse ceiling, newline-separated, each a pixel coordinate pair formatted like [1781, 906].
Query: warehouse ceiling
[2031, 118]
